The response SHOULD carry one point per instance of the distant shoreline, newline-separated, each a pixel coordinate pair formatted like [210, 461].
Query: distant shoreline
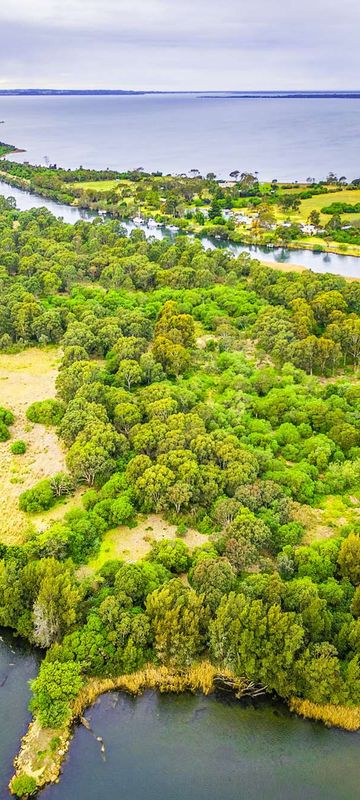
[207, 95]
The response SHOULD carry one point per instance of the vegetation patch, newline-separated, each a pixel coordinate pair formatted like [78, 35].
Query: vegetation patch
[336, 716]
[133, 544]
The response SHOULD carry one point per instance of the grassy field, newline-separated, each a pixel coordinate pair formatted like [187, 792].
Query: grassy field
[315, 203]
[24, 378]
[100, 186]
[319, 201]
[330, 246]
[131, 544]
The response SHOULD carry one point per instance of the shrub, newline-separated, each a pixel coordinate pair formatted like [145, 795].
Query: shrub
[7, 417]
[46, 412]
[18, 448]
[181, 530]
[39, 498]
[4, 432]
[23, 785]
[55, 687]
[55, 743]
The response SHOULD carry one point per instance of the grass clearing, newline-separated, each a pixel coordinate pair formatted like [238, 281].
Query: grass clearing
[132, 544]
[319, 201]
[100, 186]
[326, 521]
[24, 378]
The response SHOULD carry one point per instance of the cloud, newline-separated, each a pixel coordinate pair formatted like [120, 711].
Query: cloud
[192, 44]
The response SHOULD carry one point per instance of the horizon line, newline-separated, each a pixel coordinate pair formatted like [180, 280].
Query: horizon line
[92, 90]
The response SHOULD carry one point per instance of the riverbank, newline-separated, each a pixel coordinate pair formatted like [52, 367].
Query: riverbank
[290, 260]
[43, 750]
[344, 717]
[232, 239]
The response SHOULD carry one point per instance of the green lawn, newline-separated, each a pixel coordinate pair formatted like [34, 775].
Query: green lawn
[100, 186]
[321, 200]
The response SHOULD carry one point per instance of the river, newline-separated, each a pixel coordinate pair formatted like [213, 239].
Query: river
[182, 747]
[347, 266]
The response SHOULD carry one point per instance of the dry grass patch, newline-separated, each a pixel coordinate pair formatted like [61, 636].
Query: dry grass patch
[334, 513]
[132, 544]
[24, 378]
[313, 521]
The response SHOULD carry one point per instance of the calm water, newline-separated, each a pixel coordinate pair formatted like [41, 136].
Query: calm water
[182, 747]
[319, 262]
[196, 748]
[18, 665]
[288, 139]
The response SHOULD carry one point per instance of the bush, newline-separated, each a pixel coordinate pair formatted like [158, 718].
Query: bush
[7, 417]
[55, 687]
[23, 785]
[181, 530]
[18, 448]
[4, 432]
[46, 412]
[39, 498]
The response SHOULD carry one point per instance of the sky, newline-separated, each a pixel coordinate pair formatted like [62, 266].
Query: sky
[180, 44]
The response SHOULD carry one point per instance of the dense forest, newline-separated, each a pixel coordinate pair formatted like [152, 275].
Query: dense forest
[215, 391]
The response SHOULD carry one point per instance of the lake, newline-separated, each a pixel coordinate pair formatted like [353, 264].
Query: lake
[162, 747]
[348, 266]
[283, 138]
[18, 664]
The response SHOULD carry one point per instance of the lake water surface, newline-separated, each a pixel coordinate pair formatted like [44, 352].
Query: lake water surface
[18, 664]
[283, 138]
[196, 748]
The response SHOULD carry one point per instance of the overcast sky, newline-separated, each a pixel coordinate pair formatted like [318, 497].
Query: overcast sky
[180, 44]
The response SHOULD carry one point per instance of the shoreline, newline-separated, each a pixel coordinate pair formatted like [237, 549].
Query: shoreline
[24, 185]
[43, 750]
[46, 768]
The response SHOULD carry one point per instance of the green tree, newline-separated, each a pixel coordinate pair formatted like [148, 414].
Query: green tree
[213, 577]
[178, 621]
[349, 558]
[257, 642]
[172, 554]
[129, 373]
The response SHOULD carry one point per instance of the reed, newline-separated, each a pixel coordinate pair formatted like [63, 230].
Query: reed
[198, 677]
[333, 716]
